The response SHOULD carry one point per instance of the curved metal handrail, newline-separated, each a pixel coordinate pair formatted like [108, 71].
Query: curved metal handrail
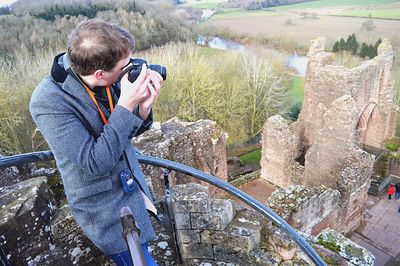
[256, 205]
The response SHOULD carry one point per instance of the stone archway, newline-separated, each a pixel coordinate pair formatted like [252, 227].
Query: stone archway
[368, 126]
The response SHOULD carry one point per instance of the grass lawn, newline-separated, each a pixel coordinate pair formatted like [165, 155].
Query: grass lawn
[296, 93]
[207, 51]
[202, 5]
[252, 157]
[373, 13]
[239, 13]
[333, 3]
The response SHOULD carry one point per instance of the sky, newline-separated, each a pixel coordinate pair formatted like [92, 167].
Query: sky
[6, 2]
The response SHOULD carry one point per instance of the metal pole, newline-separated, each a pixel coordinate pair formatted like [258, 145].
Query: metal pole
[171, 216]
[256, 205]
[131, 234]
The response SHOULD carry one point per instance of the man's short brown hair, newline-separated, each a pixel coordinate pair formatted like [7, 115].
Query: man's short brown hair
[96, 44]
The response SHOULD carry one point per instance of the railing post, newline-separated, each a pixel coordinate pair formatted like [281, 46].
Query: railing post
[171, 216]
[3, 257]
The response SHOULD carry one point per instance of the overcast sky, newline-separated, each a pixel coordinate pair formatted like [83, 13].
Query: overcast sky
[6, 2]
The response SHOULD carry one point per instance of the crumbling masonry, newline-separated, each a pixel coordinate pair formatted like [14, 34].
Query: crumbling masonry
[343, 110]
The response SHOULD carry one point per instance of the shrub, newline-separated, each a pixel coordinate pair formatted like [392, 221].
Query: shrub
[392, 146]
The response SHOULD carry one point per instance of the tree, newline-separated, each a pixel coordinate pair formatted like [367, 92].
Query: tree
[378, 42]
[342, 45]
[5, 10]
[371, 51]
[352, 44]
[265, 95]
[368, 25]
[335, 48]
[364, 50]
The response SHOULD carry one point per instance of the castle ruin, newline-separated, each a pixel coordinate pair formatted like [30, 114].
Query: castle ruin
[343, 111]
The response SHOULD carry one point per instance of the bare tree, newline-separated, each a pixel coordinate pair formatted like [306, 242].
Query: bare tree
[266, 94]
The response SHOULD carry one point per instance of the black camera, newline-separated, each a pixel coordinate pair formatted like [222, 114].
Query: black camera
[136, 66]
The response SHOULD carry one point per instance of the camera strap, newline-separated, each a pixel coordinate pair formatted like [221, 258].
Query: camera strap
[110, 101]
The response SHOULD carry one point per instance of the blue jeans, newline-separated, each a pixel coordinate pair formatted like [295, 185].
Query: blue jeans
[397, 195]
[124, 258]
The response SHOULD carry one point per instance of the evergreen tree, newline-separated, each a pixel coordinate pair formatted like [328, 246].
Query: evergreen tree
[352, 44]
[5, 10]
[342, 45]
[335, 48]
[378, 42]
[371, 51]
[364, 50]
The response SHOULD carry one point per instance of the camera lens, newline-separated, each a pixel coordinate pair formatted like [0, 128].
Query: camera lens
[162, 70]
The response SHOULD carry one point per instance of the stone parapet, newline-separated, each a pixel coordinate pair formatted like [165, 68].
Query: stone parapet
[25, 213]
[200, 144]
[248, 238]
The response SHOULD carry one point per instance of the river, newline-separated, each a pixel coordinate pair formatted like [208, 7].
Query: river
[294, 61]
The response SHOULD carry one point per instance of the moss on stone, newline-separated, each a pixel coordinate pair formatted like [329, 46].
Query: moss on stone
[329, 244]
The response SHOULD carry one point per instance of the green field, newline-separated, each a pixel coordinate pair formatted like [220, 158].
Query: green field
[239, 13]
[207, 51]
[393, 13]
[203, 5]
[252, 157]
[296, 93]
[333, 3]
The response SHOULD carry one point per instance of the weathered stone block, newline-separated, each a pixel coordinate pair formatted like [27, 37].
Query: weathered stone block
[200, 144]
[63, 223]
[246, 224]
[190, 198]
[343, 246]
[182, 221]
[231, 242]
[283, 244]
[217, 219]
[259, 258]
[69, 238]
[197, 250]
[204, 262]
[266, 257]
[24, 219]
[188, 236]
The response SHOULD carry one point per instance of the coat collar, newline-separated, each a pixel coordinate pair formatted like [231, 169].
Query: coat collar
[62, 73]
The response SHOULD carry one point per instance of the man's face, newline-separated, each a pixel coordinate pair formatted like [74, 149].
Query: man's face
[110, 77]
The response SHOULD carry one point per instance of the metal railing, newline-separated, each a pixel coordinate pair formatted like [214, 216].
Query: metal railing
[215, 181]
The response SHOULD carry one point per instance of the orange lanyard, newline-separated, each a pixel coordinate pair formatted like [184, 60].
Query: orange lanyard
[110, 101]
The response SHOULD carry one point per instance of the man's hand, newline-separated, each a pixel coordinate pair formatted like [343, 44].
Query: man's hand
[132, 94]
[153, 87]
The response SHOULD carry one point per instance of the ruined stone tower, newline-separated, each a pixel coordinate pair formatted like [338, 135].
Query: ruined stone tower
[343, 110]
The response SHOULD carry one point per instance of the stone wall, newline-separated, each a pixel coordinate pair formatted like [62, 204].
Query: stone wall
[37, 227]
[209, 231]
[218, 232]
[343, 109]
[201, 145]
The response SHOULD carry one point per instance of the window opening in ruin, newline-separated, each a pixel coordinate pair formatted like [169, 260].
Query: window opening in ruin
[367, 123]
[302, 158]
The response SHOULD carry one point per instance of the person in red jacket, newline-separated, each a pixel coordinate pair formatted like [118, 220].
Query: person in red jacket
[390, 191]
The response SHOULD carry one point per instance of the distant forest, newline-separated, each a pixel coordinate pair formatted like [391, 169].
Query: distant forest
[238, 91]
[45, 25]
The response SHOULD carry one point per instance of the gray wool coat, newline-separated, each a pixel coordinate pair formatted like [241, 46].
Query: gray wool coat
[90, 165]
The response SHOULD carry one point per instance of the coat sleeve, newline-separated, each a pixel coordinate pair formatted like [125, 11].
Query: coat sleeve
[146, 125]
[67, 135]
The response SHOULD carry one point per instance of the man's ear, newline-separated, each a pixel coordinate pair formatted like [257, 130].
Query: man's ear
[98, 74]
